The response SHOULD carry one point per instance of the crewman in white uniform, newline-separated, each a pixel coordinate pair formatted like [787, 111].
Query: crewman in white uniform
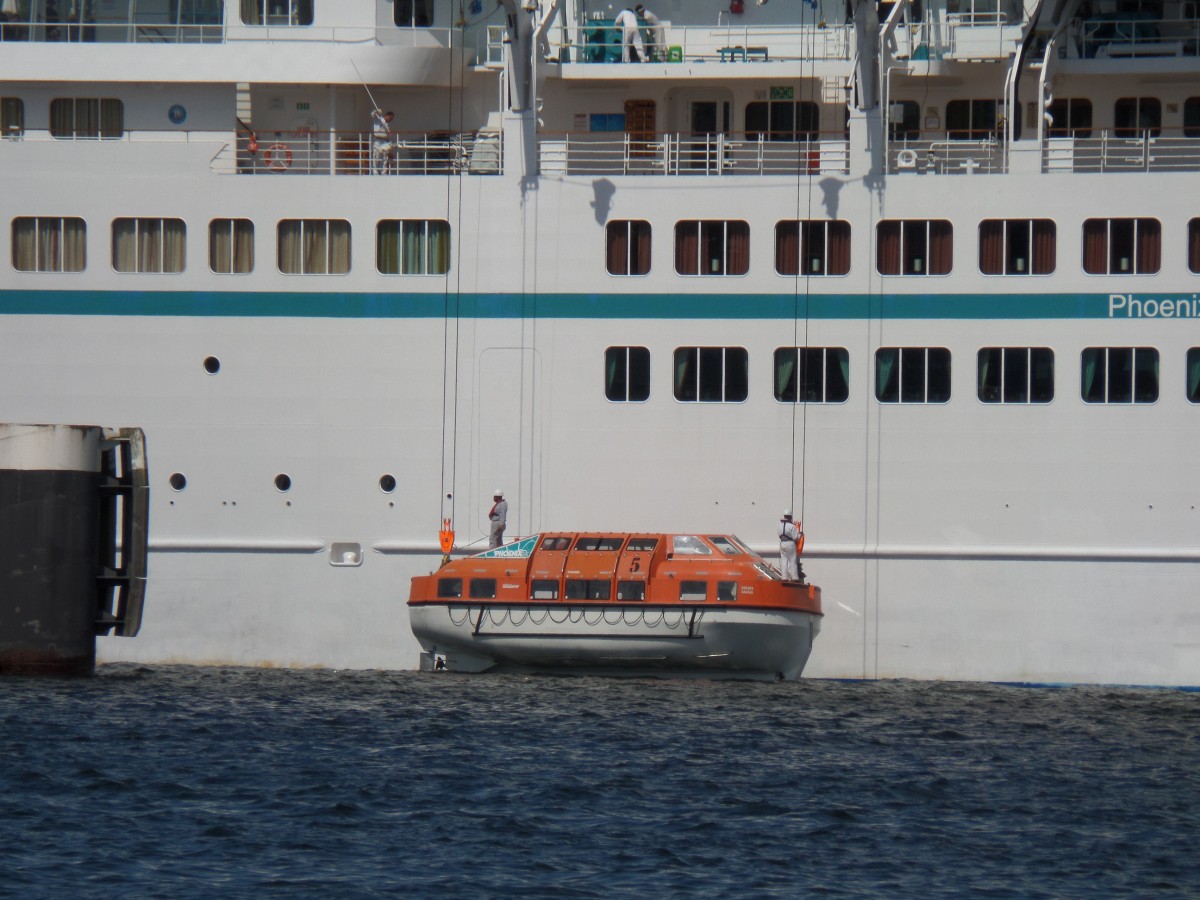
[789, 533]
[631, 35]
[498, 518]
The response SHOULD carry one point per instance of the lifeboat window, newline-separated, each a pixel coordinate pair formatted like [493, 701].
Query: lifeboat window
[689, 544]
[544, 589]
[645, 545]
[693, 590]
[483, 588]
[767, 572]
[725, 545]
[631, 590]
[727, 591]
[598, 543]
[588, 589]
[449, 587]
[556, 543]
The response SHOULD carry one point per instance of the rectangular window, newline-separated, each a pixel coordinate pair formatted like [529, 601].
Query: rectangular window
[314, 247]
[588, 589]
[1193, 375]
[627, 247]
[631, 590]
[627, 374]
[912, 375]
[449, 587]
[12, 117]
[1193, 246]
[1017, 246]
[711, 374]
[49, 244]
[971, 120]
[277, 12]
[1016, 375]
[712, 248]
[483, 588]
[812, 247]
[1191, 117]
[149, 245]
[594, 544]
[1119, 375]
[1137, 117]
[812, 374]
[914, 247]
[231, 246]
[83, 117]
[904, 120]
[1070, 117]
[1122, 246]
[413, 13]
[544, 589]
[783, 120]
[693, 590]
[727, 591]
[412, 247]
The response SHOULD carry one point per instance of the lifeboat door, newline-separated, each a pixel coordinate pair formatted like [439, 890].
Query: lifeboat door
[633, 571]
[546, 570]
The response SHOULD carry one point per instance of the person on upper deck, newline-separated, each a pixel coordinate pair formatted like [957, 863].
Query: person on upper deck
[498, 517]
[381, 140]
[656, 49]
[789, 534]
[631, 36]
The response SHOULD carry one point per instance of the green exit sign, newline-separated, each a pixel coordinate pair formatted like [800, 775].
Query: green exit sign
[783, 93]
[305, 105]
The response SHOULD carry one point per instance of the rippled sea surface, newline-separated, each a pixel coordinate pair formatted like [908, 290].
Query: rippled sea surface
[179, 781]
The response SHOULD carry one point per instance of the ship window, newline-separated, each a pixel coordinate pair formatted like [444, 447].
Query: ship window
[149, 245]
[627, 247]
[725, 545]
[782, 120]
[693, 590]
[1119, 375]
[413, 13]
[711, 374]
[231, 246]
[483, 588]
[712, 248]
[971, 120]
[449, 587]
[412, 247]
[904, 120]
[588, 589]
[1193, 246]
[727, 591]
[1122, 246]
[1193, 375]
[631, 590]
[1017, 246]
[912, 375]
[914, 247]
[1070, 117]
[598, 543]
[1137, 117]
[642, 545]
[544, 589]
[86, 117]
[314, 247]
[556, 543]
[812, 248]
[689, 545]
[12, 117]
[1191, 117]
[1016, 375]
[812, 374]
[627, 373]
[49, 244]
[277, 12]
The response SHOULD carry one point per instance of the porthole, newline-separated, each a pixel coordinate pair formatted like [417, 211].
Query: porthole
[212, 365]
[387, 483]
[283, 482]
[177, 481]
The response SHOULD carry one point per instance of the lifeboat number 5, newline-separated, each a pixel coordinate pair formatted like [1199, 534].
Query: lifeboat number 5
[278, 157]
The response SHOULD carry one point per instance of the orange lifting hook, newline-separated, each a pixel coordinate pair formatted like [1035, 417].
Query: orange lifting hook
[446, 536]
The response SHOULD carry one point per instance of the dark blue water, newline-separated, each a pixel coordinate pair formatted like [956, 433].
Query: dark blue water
[182, 782]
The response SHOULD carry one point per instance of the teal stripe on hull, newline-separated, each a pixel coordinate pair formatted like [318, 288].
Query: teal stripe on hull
[595, 306]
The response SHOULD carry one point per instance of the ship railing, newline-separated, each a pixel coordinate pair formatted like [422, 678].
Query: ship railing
[599, 42]
[145, 28]
[986, 156]
[969, 35]
[357, 153]
[685, 154]
[1147, 151]
[1135, 35]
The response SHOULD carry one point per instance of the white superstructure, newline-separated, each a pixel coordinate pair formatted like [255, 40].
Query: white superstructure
[584, 280]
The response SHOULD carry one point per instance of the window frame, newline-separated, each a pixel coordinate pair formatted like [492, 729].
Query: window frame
[1004, 390]
[434, 257]
[805, 127]
[237, 264]
[12, 118]
[934, 239]
[40, 228]
[1142, 244]
[906, 359]
[95, 110]
[699, 387]
[710, 235]
[1010, 260]
[824, 244]
[624, 252]
[300, 13]
[619, 374]
[305, 225]
[140, 224]
[799, 380]
[982, 117]
[1092, 396]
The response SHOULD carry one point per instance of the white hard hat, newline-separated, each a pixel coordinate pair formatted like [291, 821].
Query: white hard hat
[787, 513]
[497, 493]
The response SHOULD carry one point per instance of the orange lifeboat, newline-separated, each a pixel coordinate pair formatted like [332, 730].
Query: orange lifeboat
[613, 603]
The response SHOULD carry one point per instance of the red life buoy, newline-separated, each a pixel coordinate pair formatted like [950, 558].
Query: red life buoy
[278, 157]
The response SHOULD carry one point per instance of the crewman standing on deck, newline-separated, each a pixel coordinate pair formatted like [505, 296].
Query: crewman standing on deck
[789, 534]
[498, 517]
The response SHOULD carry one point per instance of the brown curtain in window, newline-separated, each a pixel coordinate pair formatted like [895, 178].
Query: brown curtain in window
[887, 248]
[738, 248]
[787, 248]
[1149, 246]
[991, 247]
[941, 247]
[639, 261]
[1194, 245]
[252, 12]
[687, 247]
[838, 262]
[617, 249]
[1095, 246]
[1044, 246]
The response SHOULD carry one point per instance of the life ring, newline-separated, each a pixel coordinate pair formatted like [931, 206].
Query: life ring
[278, 157]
